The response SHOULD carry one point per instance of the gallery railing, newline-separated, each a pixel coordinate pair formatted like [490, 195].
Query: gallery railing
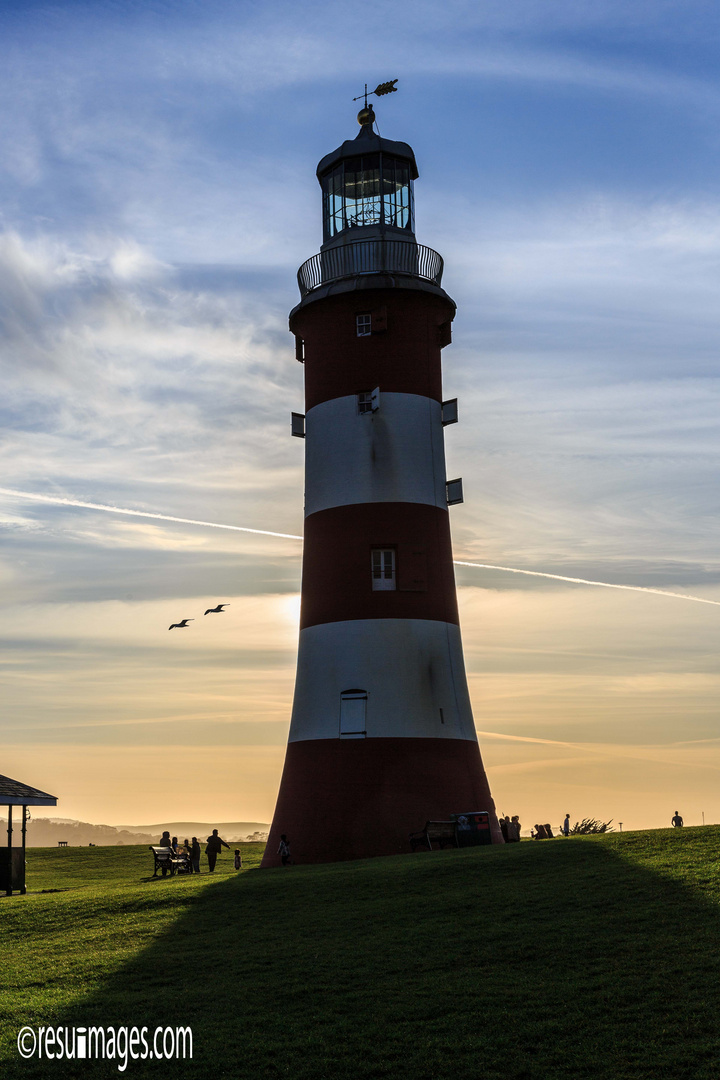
[370, 257]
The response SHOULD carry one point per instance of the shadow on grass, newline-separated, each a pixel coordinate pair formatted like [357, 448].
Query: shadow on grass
[561, 960]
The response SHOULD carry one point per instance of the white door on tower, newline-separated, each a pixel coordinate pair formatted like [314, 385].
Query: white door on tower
[353, 706]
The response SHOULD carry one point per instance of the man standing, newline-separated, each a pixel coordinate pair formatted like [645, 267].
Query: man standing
[195, 851]
[566, 825]
[215, 845]
[677, 821]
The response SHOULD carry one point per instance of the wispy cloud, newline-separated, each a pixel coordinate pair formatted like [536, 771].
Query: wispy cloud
[585, 581]
[57, 501]
[60, 501]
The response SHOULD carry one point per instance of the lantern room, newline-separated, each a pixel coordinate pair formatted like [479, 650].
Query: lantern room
[367, 185]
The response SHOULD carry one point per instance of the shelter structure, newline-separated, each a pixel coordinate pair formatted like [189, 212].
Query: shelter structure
[12, 859]
[382, 737]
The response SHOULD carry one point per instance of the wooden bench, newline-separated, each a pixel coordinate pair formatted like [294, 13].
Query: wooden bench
[439, 832]
[166, 859]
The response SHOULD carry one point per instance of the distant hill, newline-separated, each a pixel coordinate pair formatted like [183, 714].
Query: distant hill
[46, 832]
[195, 828]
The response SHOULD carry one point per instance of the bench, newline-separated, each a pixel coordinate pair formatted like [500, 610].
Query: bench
[439, 832]
[166, 859]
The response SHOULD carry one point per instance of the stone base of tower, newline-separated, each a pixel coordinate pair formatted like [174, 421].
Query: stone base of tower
[356, 798]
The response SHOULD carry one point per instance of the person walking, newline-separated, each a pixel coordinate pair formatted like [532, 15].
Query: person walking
[566, 825]
[677, 821]
[215, 844]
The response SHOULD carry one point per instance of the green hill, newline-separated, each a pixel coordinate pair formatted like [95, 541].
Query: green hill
[588, 957]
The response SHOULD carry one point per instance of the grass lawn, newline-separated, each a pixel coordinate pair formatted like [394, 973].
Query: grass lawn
[589, 957]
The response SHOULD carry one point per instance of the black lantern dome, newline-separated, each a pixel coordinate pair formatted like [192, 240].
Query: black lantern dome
[367, 186]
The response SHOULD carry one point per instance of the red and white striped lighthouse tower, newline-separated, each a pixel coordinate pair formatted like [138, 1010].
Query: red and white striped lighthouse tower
[382, 737]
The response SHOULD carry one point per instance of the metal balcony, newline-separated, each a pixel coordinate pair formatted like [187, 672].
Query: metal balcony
[370, 257]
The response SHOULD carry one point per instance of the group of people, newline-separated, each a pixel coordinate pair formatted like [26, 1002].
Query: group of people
[510, 828]
[544, 832]
[192, 851]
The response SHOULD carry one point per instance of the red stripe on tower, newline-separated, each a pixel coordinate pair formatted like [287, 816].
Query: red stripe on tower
[382, 737]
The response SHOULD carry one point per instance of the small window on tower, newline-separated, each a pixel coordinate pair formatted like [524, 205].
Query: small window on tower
[369, 402]
[363, 324]
[383, 569]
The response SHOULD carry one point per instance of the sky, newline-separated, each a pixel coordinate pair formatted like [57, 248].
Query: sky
[157, 195]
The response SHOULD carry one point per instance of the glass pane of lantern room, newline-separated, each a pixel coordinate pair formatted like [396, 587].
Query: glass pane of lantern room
[397, 193]
[362, 191]
[334, 219]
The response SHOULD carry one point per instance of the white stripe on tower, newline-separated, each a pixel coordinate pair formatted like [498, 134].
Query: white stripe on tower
[395, 454]
[412, 671]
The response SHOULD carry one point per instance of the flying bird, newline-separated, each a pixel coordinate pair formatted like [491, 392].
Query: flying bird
[180, 625]
[216, 610]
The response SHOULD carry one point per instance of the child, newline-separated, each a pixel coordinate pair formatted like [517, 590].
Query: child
[238, 859]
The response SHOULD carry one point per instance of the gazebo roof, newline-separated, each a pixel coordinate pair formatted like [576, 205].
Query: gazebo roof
[13, 793]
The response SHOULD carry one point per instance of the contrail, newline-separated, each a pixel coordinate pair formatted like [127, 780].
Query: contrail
[139, 513]
[58, 500]
[585, 581]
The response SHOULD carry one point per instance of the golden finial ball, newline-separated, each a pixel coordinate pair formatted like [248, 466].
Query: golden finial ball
[366, 116]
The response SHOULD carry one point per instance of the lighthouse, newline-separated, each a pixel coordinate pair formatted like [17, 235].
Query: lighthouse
[382, 737]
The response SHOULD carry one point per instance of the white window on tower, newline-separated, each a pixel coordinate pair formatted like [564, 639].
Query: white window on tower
[353, 707]
[383, 569]
[363, 324]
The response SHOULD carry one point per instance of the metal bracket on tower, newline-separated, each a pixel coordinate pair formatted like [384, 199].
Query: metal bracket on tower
[297, 424]
[454, 491]
[449, 412]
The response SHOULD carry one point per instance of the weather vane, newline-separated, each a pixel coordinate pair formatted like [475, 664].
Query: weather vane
[380, 89]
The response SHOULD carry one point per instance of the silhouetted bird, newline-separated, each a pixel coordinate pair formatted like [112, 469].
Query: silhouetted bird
[216, 610]
[180, 625]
